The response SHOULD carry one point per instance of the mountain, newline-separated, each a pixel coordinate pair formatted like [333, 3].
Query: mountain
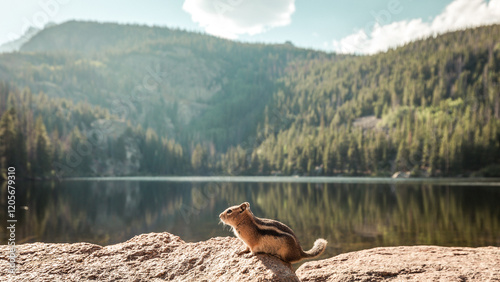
[224, 107]
[162, 78]
[15, 45]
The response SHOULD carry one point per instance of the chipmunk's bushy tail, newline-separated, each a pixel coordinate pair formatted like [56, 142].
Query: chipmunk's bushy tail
[318, 248]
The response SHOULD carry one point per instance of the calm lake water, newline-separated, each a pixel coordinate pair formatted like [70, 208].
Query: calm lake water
[351, 213]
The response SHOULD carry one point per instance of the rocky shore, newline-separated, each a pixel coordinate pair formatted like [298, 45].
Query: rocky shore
[163, 256]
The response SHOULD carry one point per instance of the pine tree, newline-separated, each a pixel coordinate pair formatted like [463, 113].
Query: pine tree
[199, 159]
[12, 143]
[42, 163]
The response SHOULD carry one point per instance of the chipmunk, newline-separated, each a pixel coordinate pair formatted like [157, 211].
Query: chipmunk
[262, 235]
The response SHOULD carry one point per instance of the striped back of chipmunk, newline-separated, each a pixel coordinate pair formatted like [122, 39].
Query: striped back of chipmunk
[273, 227]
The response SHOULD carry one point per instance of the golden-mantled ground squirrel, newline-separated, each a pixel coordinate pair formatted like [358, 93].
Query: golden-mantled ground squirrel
[262, 235]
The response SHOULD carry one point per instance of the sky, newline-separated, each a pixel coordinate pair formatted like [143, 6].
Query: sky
[361, 27]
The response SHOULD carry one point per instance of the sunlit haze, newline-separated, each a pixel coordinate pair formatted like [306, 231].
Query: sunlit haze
[363, 27]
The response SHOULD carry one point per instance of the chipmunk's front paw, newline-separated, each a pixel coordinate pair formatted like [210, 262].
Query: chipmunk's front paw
[248, 255]
[245, 251]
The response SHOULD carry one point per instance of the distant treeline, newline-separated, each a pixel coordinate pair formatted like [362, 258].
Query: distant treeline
[53, 137]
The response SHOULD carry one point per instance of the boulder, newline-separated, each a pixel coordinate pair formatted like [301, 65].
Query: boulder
[147, 257]
[401, 174]
[412, 263]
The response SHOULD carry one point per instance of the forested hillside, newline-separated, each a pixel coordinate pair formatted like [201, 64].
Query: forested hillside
[431, 107]
[55, 137]
[182, 84]
[86, 98]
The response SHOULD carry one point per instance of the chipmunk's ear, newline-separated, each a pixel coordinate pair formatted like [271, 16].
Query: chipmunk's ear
[244, 206]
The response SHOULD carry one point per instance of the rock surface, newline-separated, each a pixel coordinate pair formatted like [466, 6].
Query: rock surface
[401, 174]
[147, 257]
[415, 263]
[163, 256]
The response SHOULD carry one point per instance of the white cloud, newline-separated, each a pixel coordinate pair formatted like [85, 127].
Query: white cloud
[457, 15]
[230, 18]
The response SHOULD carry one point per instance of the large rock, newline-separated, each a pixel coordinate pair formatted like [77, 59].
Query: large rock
[416, 263]
[401, 174]
[147, 257]
[163, 256]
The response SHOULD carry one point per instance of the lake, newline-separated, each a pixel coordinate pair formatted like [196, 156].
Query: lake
[351, 213]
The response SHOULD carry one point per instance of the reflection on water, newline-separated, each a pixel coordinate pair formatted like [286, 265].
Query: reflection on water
[351, 216]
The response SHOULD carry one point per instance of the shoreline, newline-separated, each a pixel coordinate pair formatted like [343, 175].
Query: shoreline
[458, 181]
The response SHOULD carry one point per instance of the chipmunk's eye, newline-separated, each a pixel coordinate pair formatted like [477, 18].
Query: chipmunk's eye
[229, 211]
